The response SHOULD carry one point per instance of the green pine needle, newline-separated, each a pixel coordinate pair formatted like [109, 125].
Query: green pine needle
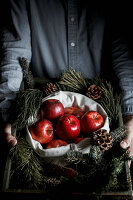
[27, 165]
[28, 103]
[73, 79]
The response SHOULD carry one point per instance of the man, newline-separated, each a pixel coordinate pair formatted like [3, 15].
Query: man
[57, 34]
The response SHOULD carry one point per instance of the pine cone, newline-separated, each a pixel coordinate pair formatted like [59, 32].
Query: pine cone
[50, 88]
[103, 139]
[94, 92]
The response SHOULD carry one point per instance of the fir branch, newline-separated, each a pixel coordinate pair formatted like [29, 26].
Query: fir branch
[115, 169]
[51, 182]
[103, 177]
[27, 165]
[111, 102]
[96, 154]
[73, 157]
[74, 80]
[28, 104]
[64, 87]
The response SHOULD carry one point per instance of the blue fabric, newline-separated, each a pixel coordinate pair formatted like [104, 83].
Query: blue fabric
[55, 35]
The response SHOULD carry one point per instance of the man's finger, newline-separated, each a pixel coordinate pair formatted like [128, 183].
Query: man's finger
[7, 129]
[129, 163]
[11, 140]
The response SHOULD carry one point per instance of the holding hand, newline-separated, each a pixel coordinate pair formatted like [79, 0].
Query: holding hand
[6, 136]
[128, 140]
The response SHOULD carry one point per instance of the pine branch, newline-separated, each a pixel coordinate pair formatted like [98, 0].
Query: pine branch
[96, 155]
[73, 79]
[111, 102]
[28, 104]
[27, 166]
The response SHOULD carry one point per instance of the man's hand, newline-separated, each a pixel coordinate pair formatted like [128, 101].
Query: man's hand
[6, 136]
[128, 140]
[6, 142]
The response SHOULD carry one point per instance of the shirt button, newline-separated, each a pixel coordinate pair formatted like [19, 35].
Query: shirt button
[72, 44]
[72, 19]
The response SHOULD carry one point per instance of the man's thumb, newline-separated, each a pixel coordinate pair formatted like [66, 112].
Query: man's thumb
[124, 144]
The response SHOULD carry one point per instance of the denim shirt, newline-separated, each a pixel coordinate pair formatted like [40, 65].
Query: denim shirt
[55, 35]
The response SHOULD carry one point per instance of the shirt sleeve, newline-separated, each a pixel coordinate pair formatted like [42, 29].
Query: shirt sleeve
[123, 66]
[16, 43]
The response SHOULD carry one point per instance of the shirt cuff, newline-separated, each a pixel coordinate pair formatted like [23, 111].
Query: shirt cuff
[127, 102]
[127, 110]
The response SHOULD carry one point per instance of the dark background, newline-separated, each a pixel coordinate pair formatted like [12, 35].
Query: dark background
[121, 13]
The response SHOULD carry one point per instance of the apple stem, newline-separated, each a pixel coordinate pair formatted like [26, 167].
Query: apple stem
[50, 131]
[70, 121]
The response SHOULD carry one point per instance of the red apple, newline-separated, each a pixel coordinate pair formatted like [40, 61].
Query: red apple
[56, 143]
[42, 131]
[76, 111]
[67, 127]
[90, 122]
[51, 109]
